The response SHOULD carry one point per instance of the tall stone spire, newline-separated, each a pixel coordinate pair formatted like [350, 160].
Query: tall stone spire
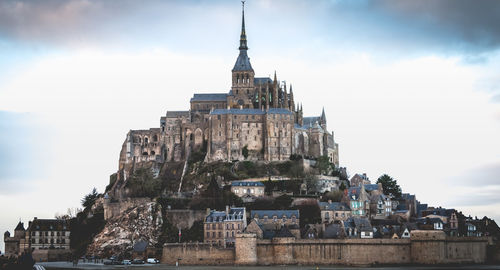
[323, 119]
[243, 62]
[243, 36]
[292, 103]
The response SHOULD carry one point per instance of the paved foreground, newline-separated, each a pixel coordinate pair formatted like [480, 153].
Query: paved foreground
[90, 266]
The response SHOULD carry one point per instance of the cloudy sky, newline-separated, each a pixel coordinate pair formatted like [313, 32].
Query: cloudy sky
[410, 88]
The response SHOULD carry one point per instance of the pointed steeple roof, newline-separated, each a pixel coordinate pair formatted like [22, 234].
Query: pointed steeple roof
[243, 62]
[19, 227]
[323, 117]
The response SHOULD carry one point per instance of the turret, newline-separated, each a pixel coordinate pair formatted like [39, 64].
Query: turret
[292, 103]
[285, 97]
[322, 119]
[275, 91]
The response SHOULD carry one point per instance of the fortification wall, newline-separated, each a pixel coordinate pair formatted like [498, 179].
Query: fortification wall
[184, 219]
[352, 251]
[197, 254]
[425, 247]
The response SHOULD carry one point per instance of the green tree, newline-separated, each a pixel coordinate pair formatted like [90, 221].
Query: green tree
[310, 213]
[390, 186]
[323, 164]
[282, 202]
[244, 151]
[90, 198]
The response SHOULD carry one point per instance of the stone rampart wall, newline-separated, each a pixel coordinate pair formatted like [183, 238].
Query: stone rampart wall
[197, 254]
[425, 247]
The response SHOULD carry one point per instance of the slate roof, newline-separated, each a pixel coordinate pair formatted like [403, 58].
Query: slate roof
[262, 80]
[242, 62]
[236, 213]
[336, 206]
[19, 227]
[209, 97]
[246, 184]
[250, 111]
[175, 114]
[310, 120]
[278, 111]
[332, 231]
[371, 187]
[362, 224]
[271, 213]
[49, 225]
[284, 232]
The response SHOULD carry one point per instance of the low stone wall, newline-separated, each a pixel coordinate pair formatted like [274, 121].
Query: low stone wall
[197, 254]
[184, 219]
[424, 247]
[51, 255]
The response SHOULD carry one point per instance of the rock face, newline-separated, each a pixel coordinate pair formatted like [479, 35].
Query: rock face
[141, 222]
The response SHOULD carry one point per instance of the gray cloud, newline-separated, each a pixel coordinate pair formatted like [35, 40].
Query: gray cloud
[483, 176]
[448, 25]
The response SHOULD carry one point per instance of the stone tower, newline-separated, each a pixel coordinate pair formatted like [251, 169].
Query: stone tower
[243, 75]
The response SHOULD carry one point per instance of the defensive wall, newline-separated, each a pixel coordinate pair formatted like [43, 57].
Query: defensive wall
[424, 247]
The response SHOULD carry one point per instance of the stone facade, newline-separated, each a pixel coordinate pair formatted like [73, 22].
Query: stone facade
[258, 119]
[247, 188]
[221, 227]
[41, 234]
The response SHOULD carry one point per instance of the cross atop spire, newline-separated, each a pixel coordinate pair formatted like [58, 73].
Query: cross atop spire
[243, 36]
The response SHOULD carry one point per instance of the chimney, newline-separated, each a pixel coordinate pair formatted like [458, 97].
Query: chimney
[208, 211]
[329, 201]
[227, 209]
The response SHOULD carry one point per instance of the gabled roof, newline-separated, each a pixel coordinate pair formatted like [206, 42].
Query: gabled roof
[49, 225]
[284, 232]
[362, 224]
[236, 213]
[333, 231]
[371, 187]
[209, 97]
[247, 184]
[19, 227]
[271, 213]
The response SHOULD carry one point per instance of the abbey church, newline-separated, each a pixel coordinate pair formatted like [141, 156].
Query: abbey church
[258, 119]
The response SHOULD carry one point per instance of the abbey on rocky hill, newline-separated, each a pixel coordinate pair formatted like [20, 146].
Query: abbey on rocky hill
[257, 120]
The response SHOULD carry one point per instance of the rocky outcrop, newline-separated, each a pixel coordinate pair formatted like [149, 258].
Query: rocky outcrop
[141, 222]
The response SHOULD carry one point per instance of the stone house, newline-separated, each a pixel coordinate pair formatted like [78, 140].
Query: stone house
[14, 245]
[358, 200]
[221, 227]
[334, 211]
[358, 227]
[46, 238]
[380, 206]
[276, 218]
[359, 179]
[247, 188]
